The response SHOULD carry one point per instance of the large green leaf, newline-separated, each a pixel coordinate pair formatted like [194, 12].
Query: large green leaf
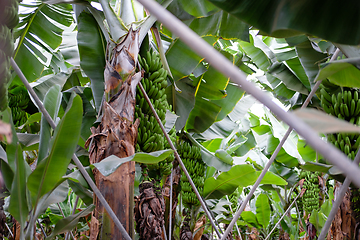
[28, 141]
[316, 167]
[309, 59]
[306, 152]
[89, 116]
[63, 145]
[256, 54]
[282, 72]
[52, 102]
[226, 183]
[111, 163]
[282, 157]
[68, 223]
[295, 66]
[321, 122]
[84, 193]
[233, 28]
[250, 218]
[182, 102]
[197, 8]
[263, 210]
[242, 107]
[42, 85]
[57, 195]
[92, 48]
[279, 130]
[18, 207]
[344, 73]
[288, 18]
[349, 51]
[206, 25]
[203, 115]
[182, 60]
[39, 33]
[272, 178]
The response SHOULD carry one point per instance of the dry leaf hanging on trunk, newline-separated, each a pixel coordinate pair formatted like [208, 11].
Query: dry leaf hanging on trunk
[199, 228]
[185, 232]
[343, 225]
[149, 212]
[116, 135]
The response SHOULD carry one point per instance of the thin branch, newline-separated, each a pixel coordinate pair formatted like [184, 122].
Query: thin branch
[170, 203]
[41, 227]
[74, 158]
[221, 63]
[202, 202]
[62, 213]
[232, 212]
[73, 212]
[7, 227]
[164, 231]
[285, 213]
[337, 202]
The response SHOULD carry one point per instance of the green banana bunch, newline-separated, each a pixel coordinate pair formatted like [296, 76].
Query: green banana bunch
[150, 135]
[191, 157]
[18, 102]
[310, 199]
[9, 13]
[8, 19]
[344, 105]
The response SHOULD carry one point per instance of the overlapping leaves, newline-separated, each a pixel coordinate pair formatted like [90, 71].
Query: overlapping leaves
[39, 34]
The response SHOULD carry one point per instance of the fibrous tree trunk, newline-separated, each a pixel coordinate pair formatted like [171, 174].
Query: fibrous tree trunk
[343, 225]
[116, 135]
[149, 212]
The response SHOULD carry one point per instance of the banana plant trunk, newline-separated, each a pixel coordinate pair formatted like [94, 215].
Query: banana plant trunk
[343, 225]
[116, 135]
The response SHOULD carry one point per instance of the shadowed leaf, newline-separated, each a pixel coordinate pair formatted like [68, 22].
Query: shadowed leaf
[324, 123]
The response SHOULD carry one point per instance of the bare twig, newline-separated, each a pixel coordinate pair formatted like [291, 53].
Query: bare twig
[74, 158]
[202, 202]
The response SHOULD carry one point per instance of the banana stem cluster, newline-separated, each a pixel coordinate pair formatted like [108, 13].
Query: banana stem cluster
[344, 105]
[150, 135]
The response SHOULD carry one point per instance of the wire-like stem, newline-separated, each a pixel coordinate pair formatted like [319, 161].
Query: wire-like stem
[73, 212]
[74, 158]
[170, 203]
[344, 188]
[202, 202]
[7, 227]
[232, 212]
[285, 213]
[42, 229]
[62, 213]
